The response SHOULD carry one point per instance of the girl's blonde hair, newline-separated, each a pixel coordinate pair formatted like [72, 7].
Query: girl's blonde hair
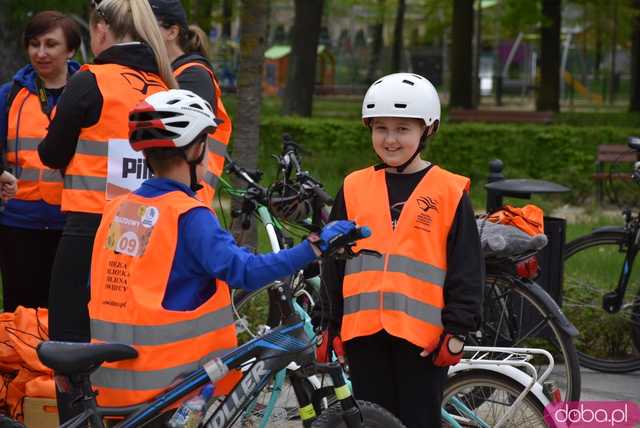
[134, 18]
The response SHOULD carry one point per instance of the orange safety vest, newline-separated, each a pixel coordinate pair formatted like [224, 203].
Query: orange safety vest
[217, 141]
[402, 291]
[27, 126]
[132, 259]
[85, 180]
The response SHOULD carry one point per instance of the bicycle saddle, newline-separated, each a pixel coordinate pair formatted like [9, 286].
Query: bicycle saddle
[70, 357]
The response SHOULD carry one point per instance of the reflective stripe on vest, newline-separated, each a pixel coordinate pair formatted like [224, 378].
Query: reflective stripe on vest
[86, 175]
[217, 142]
[26, 127]
[131, 266]
[131, 334]
[402, 290]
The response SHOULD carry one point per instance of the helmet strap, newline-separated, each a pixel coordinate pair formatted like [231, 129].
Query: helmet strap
[193, 165]
[402, 167]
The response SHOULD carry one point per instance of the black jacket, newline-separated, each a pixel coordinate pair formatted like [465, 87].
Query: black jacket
[195, 79]
[464, 281]
[80, 106]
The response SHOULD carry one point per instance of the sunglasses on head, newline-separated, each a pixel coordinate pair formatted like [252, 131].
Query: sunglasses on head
[95, 4]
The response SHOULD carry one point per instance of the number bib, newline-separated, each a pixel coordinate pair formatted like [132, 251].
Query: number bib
[131, 228]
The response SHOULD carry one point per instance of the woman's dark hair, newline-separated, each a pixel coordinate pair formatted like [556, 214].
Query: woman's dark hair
[49, 20]
[192, 39]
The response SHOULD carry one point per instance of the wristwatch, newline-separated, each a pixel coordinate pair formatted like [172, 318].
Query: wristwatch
[456, 343]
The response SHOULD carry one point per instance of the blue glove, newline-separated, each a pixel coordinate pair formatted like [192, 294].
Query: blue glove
[332, 231]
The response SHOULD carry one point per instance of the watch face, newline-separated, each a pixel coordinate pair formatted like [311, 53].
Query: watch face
[455, 345]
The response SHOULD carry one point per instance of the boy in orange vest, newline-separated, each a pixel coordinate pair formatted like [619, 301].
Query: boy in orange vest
[404, 315]
[162, 266]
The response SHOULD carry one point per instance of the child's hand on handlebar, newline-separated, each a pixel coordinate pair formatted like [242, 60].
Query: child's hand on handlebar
[336, 235]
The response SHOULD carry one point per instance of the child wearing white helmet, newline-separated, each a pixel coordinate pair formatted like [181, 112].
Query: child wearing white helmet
[403, 314]
[162, 265]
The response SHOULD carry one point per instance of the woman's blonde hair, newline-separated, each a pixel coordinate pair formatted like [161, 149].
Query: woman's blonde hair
[134, 18]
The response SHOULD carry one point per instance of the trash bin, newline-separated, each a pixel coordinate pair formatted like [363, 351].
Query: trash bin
[551, 258]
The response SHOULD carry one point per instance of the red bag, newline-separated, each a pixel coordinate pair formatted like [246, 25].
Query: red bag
[529, 219]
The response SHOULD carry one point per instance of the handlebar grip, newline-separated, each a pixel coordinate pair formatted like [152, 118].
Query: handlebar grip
[348, 238]
[323, 196]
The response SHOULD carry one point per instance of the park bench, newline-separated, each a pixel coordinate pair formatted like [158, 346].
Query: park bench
[612, 154]
[500, 116]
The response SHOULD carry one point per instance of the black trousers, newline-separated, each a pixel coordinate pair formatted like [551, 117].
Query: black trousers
[389, 371]
[26, 258]
[69, 296]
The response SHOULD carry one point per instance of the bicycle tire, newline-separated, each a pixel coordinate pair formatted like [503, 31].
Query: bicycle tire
[373, 415]
[578, 304]
[505, 299]
[470, 384]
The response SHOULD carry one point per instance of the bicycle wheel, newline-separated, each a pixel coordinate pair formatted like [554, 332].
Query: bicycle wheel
[488, 396]
[513, 316]
[608, 342]
[373, 415]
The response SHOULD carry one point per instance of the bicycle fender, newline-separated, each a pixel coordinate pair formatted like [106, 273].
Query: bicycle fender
[607, 229]
[511, 372]
[554, 310]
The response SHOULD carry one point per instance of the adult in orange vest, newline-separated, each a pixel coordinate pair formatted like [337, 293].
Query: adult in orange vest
[407, 312]
[87, 140]
[187, 48]
[162, 265]
[31, 223]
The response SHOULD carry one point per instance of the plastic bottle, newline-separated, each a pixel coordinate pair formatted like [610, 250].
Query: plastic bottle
[192, 411]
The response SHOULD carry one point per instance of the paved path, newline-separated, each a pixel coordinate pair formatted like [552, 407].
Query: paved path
[603, 386]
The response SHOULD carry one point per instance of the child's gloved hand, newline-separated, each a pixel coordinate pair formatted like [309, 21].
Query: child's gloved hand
[337, 234]
[328, 342]
[447, 351]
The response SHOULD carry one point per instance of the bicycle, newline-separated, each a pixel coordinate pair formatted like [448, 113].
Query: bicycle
[304, 285]
[259, 360]
[611, 342]
[517, 311]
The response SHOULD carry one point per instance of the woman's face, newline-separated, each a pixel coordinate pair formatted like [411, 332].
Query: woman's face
[49, 53]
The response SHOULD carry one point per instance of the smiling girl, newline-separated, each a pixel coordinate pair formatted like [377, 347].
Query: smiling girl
[404, 315]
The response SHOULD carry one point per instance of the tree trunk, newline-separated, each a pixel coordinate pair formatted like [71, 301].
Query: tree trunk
[613, 84]
[227, 17]
[461, 55]
[398, 37]
[202, 14]
[549, 92]
[301, 75]
[634, 104]
[376, 43]
[254, 18]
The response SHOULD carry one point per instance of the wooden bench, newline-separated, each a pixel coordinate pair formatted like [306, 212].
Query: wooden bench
[612, 154]
[500, 116]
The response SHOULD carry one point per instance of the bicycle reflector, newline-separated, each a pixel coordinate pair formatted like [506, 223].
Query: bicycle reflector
[528, 269]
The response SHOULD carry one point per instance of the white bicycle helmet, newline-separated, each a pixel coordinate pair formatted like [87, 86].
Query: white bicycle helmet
[402, 95]
[173, 118]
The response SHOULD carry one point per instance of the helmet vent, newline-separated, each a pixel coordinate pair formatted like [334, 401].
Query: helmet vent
[172, 102]
[371, 105]
[378, 82]
[198, 106]
[181, 124]
[400, 105]
[408, 82]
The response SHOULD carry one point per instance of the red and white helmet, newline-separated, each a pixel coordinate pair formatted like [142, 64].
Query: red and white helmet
[402, 95]
[173, 118]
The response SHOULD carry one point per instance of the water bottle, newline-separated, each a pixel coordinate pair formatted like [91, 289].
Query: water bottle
[191, 412]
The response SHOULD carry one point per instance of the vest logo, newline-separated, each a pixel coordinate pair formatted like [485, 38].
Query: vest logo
[140, 83]
[137, 167]
[424, 220]
[426, 203]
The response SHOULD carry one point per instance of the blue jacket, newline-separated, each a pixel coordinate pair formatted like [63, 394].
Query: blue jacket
[19, 213]
[206, 251]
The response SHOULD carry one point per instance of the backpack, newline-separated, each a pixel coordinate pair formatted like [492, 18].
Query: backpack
[529, 219]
